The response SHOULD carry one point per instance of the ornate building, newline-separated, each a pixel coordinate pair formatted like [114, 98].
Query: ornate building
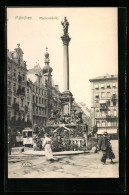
[45, 95]
[104, 104]
[31, 94]
[19, 107]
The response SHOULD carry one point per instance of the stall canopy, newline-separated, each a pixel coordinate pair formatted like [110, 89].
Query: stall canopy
[109, 131]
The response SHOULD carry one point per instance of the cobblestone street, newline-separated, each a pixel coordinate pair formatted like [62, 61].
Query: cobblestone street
[73, 166]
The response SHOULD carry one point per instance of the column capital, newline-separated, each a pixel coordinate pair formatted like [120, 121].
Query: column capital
[66, 39]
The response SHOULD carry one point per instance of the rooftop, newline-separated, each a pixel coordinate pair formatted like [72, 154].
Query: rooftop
[107, 76]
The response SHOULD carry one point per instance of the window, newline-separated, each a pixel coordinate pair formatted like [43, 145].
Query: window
[102, 113]
[114, 103]
[114, 93]
[33, 98]
[39, 100]
[28, 103]
[97, 123]
[114, 112]
[108, 103]
[22, 102]
[109, 124]
[27, 90]
[97, 113]
[96, 86]
[102, 85]
[14, 73]
[97, 95]
[39, 91]
[14, 100]
[42, 92]
[108, 94]
[28, 117]
[36, 90]
[14, 87]
[42, 100]
[23, 117]
[103, 123]
[102, 95]
[108, 85]
[36, 99]
[23, 78]
[29, 133]
[114, 85]
[9, 100]
[25, 134]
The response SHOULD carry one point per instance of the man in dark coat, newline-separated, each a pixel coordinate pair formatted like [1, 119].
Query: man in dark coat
[105, 145]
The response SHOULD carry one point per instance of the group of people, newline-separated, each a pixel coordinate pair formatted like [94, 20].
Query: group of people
[104, 144]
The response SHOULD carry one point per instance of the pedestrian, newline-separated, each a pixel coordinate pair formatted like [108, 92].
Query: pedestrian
[84, 144]
[47, 146]
[105, 145]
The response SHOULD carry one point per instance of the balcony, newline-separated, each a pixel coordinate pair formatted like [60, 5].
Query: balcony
[103, 106]
[114, 97]
[111, 117]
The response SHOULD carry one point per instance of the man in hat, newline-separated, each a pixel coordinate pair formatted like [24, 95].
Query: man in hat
[105, 145]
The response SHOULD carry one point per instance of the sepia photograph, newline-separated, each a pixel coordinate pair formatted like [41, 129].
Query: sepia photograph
[62, 92]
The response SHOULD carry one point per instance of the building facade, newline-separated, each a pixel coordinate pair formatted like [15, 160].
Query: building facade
[18, 107]
[38, 90]
[104, 104]
[31, 94]
[45, 95]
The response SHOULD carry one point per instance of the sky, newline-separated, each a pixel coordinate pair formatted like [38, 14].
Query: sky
[93, 49]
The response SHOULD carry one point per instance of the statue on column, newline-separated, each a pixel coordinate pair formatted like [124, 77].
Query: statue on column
[65, 25]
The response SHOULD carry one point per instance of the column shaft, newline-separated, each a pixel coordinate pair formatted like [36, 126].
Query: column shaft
[66, 67]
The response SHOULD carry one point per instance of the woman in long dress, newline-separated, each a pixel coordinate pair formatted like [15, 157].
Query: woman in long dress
[47, 146]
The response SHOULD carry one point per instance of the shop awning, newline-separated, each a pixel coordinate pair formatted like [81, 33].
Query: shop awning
[109, 131]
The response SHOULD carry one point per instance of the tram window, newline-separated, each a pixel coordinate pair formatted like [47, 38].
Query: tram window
[29, 133]
[25, 134]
